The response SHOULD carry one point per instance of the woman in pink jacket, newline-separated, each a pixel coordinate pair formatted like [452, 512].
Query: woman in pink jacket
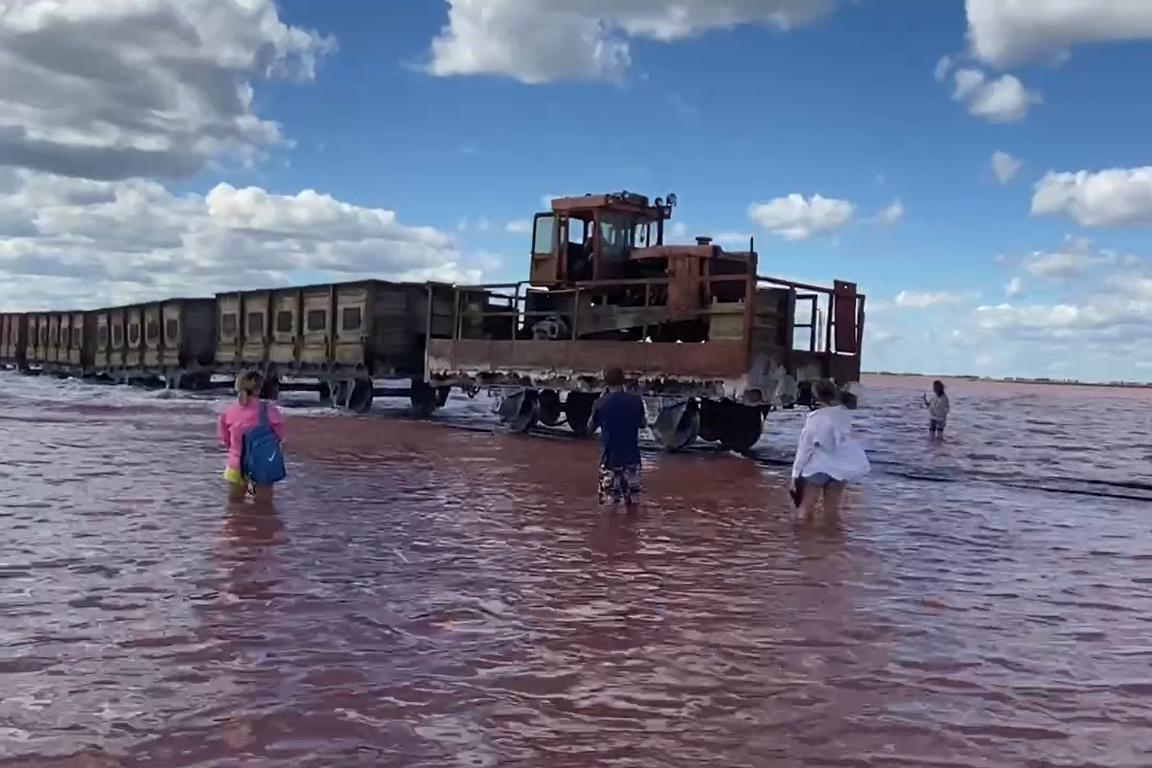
[234, 422]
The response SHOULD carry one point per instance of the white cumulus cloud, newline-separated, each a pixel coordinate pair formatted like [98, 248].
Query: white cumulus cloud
[1006, 32]
[1000, 100]
[795, 217]
[539, 41]
[147, 88]
[70, 242]
[891, 214]
[1115, 197]
[100, 100]
[916, 300]
[1004, 166]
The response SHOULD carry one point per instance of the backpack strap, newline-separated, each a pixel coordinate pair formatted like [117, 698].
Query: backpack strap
[263, 414]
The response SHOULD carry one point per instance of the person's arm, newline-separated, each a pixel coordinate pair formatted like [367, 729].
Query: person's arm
[594, 418]
[804, 449]
[223, 433]
[276, 422]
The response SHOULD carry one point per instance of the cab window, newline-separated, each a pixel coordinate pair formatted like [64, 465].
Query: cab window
[544, 233]
[615, 237]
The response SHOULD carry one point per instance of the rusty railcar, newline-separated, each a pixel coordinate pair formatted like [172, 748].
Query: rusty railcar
[344, 335]
[59, 342]
[171, 341]
[694, 326]
[13, 339]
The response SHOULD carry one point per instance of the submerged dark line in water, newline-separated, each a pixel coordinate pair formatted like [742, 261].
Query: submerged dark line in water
[889, 468]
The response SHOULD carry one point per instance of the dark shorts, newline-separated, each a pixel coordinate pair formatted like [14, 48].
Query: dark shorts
[820, 479]
[620, 485]
[935, 426]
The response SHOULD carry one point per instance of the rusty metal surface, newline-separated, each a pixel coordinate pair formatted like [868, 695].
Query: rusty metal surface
[715, 369]
[704, 361]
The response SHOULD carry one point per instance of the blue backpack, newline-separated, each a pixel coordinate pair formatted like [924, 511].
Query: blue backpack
[261, 459]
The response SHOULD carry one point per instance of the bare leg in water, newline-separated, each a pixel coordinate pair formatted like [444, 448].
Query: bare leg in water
[262, 494]
[808, 500]
[237, 492]
[833, 495]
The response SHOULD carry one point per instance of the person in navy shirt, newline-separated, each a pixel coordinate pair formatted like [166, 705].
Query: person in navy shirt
[619, 416]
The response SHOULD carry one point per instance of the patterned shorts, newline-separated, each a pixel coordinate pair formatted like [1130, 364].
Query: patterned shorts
[620, 485]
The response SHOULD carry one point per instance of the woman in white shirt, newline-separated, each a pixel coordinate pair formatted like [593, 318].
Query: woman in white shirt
[938, 407]
[828, 457]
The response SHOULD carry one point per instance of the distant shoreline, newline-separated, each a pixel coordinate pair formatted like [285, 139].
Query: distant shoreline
[1015, 380]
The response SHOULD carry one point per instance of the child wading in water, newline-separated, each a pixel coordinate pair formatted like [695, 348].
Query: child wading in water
[938, 407]
[251, 430]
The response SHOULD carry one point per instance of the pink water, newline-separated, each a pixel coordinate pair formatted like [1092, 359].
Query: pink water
[436, 595]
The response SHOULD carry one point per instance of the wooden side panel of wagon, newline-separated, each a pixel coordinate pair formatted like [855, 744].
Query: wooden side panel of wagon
[52, 349]
[228, 331]
[81, 343]
[317, 306]
[134, 324]
[118, 346]
[190, 333]
[13, 338]
[286, 326]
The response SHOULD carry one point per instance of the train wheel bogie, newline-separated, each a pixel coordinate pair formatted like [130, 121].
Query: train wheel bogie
[520, 411]
[338, 393]
[578, 409]
[360, 395]
[425, 399]
[677, 426]
[551, 410]
[736, 427]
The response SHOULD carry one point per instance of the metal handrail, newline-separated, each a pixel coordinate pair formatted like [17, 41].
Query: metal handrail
[517, 298]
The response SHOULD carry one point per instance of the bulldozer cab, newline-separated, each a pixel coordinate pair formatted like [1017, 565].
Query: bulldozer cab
[590, 237]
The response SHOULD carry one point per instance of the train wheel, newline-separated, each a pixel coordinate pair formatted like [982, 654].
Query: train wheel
[740, 427]
[360, 395]
[578, 408]
[425, 400]
[520, 411]
[550, 407]
[271, 388]
[338, 392]
[709, 421]
[677, 426]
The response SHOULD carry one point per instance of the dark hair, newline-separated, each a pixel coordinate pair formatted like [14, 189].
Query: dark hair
[614, 377]
[826, 392]
[938, 386]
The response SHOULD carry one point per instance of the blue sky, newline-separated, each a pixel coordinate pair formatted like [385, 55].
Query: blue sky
[855, 106]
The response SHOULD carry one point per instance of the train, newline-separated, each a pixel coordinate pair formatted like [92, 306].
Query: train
[714, 345]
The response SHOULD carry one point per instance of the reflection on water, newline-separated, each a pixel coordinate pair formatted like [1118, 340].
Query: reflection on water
[429, 596]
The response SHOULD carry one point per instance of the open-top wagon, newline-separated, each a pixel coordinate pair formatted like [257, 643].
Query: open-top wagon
[341, 339]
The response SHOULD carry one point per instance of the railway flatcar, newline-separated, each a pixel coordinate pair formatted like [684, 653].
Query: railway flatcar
[346, 337]
[714, 344]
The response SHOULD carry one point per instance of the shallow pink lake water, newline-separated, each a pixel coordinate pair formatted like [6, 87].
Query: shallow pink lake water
[433, 594]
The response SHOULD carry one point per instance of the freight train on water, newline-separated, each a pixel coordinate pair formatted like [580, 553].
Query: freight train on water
[713, 345]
